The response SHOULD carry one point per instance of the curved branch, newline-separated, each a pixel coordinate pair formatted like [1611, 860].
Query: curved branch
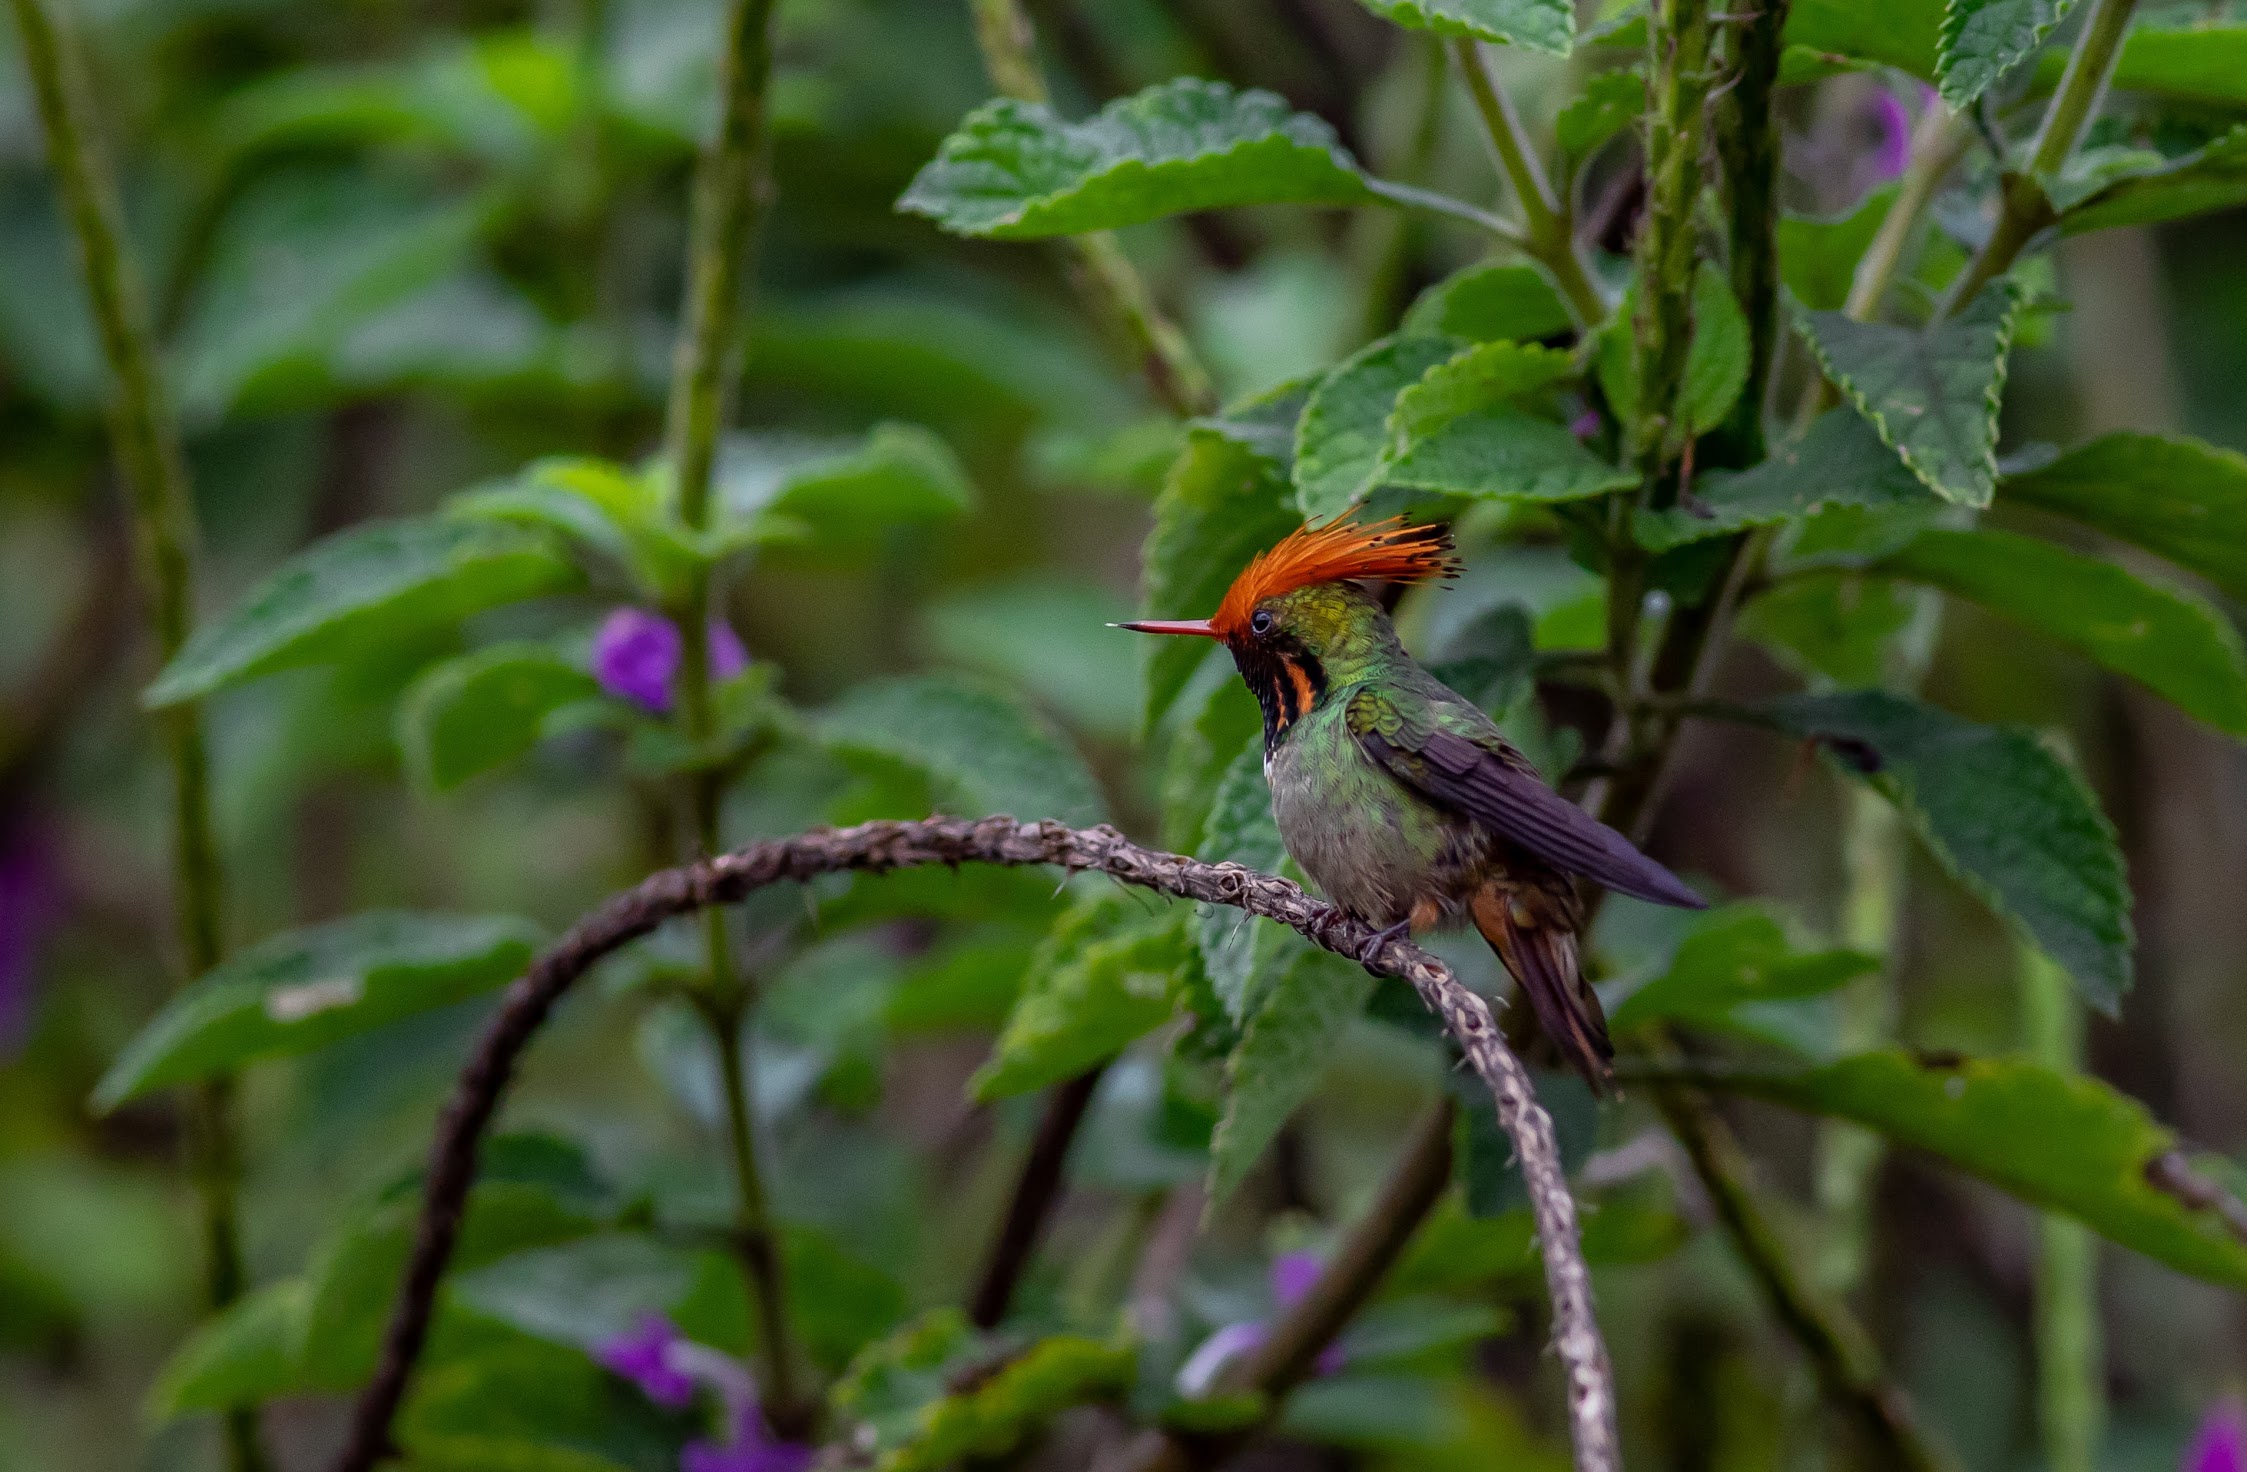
[880, 848]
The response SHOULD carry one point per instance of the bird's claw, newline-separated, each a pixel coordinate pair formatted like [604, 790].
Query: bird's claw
[1381, 938]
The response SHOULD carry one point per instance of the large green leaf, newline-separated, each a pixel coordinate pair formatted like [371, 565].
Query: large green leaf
[1200, 754]
[1608, 104]
[605, 508]
[1458, 432]
[1014, 171]
[983, 750]
[1982, 40]
[1733, 972]
[839, 498]
[2211, 178]
[237, 1357]
[1839, 462]
[2009, 819]
[1345, 424]
[1544, 25]
[2172, 643]
[370, 585]
[2204, 63]
[2063, 1142]
[307, 988]
[1222, 503]
[1905, 34]
[1932, 393]
[1240, 830]
[1108, 974]
[1490, 302]
[2180, 498]
[1290, 1035]
[1818, 254]
[1716, 361]
[469, 715]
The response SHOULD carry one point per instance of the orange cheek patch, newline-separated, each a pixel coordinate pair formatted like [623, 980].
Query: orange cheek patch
[1304, 694]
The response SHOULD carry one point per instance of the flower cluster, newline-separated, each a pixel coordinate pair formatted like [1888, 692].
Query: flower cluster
[671, 1369]
[636, 656]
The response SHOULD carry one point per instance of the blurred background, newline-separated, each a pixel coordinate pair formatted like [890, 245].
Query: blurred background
[397, 249]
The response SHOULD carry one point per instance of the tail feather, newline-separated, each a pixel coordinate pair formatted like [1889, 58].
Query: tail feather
[1534, 933]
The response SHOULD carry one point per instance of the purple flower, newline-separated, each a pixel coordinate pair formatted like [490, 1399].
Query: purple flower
[28, 903]
[647, 1356]
[1893, 151]
[1585, 425]
[1293, 1275]
[753, 1449]
[636, 656]
[2221, 1443]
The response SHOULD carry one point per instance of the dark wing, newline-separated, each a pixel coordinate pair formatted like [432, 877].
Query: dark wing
[1476, 777]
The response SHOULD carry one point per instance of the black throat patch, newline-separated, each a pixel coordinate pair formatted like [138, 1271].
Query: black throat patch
[1287, 681]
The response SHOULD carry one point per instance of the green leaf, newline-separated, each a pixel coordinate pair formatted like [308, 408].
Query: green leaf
[1106, 976]
[1240, 830]
[1905, 34]
[1716, 362]
[369, 585]
[2168, 641]
[1489, 302]
[1931, 393]
[304, 989]
[1200, 754]
[1608, 103]
[2178, 498]
[1456, 432]
[1049, 635]
[1344, 427]
[1290, 1036]
[1222, 504]
[838, 499]
[1002, 1409]
[601, 506]
[1014, 171]
[1982, 40]
[585, 1292]
[1489, 1169]
[985, 751]
[1492, 660]
[1836, 624]
[2064, 1142]
[2195, 63]
[2007, 818]
[468, 715]
[1818, 255]
[1542, 25]
[239, 1357]
[1733, 965]
[2210, 178]
[1839, 462]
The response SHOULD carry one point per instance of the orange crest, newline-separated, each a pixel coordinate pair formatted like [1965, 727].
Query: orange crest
[1386, 551]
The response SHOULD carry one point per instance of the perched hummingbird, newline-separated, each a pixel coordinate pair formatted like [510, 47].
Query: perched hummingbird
[1396, 795]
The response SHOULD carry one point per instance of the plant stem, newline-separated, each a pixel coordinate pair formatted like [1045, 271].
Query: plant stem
[145, 433]
[1551, 236]
[2025, 210]
[1846, 1363]
[1678, 78]
[1035, 1192]
[1009, 45]
[2071, 1379]
[1748, 145]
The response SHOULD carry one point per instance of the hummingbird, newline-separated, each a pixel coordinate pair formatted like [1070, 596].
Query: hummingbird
[1397, 796]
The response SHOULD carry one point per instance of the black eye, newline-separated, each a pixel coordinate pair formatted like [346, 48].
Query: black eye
[1262, 623]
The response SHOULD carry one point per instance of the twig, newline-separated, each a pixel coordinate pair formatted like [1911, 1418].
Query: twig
[1009, 46]
[1551, 234]
[146, 436]
[1035, 1192]
[1843, 1356]
[2025, 210]
[880, 848]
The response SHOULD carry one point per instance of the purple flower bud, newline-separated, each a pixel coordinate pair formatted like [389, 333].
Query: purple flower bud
[1894, 150]
[636, 656]
[2221, 1443]
[753, 1449]
[1585, 425]
[28, 902]
[645, 1356]
[1293, 1273]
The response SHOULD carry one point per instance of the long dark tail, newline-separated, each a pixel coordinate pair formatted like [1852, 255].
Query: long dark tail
[1534, 933]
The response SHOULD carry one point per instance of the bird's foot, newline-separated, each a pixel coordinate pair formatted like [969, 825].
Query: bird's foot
[1381, 938]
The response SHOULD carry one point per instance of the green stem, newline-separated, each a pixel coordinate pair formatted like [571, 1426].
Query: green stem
[1842, 1355]
[1550, 237]
[2071, 1380]
[1848, 1156]
[1748, 146]
[2025, 210]
[154, 468]
[1679, 75]
[1008, 42]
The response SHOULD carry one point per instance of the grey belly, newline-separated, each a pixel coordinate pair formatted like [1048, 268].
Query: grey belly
[1370, 846]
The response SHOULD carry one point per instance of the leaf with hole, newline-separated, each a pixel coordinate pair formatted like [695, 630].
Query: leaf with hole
[305, 989]
[362, 588]
[1932, 393]
[1014, 171]
[2178, 498]
[2010, 820]
[2167, 640]
[2063, 1142]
